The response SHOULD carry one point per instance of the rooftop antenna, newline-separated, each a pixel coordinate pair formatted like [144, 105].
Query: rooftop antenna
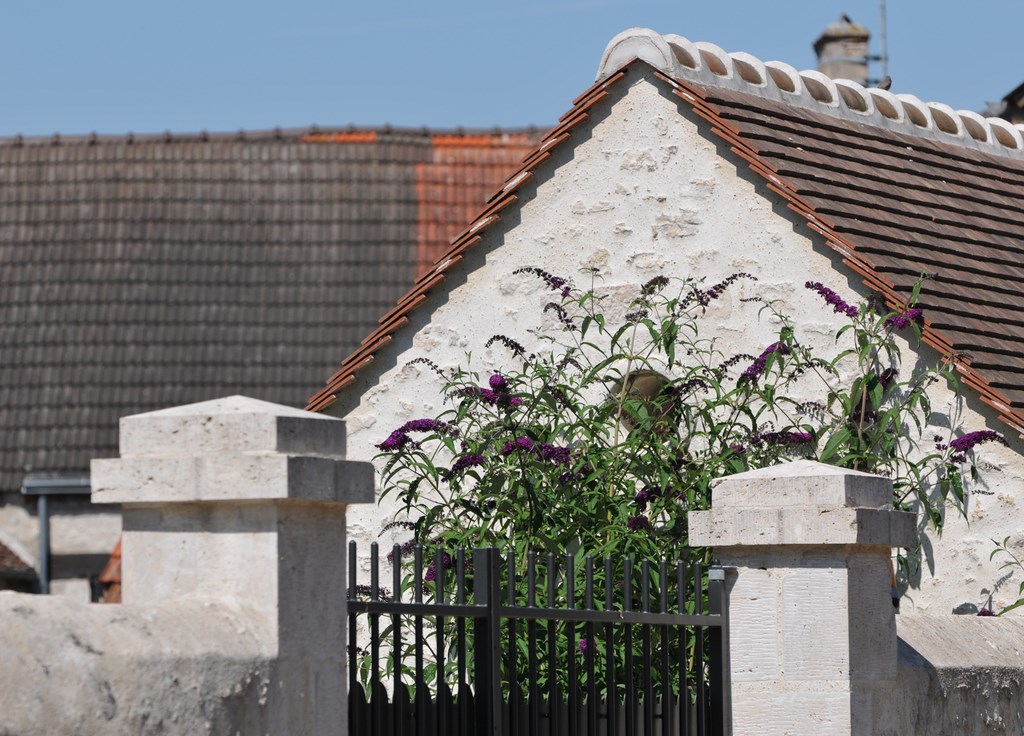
[884, 37]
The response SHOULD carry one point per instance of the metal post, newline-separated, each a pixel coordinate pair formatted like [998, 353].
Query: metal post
[487, 642]
[721, 689]
[42, 486]
[885, 42]
[43, 510]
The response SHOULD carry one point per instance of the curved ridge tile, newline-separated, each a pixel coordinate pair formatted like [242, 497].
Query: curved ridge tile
[715, 60]
[887, 104]
[917, 112]
[976, 126]
[750, 69]
[1007, 135]
[855, 97]
[686, 52]
[637, 43]
[820, 87]
[945, 119]
[707, 64]
[786, 77]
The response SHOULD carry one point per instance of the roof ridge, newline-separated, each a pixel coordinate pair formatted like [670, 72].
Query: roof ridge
[313, 132]
[708, 65]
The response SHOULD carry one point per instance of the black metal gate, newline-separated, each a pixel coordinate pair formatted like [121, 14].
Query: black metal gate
[467, 645]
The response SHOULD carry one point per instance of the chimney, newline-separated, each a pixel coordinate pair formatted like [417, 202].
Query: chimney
[842, 50]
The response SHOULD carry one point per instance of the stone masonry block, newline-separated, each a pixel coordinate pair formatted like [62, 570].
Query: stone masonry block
[803, 711]
[872, 627]
[268, 477]
[807, 551]
[800, 484]
[743, 527]
[754, 626]
[231, 425]
[814, 641]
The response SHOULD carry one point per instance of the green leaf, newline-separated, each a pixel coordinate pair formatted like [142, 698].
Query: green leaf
[837, 440]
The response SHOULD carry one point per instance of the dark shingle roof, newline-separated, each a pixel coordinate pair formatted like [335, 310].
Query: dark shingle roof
[143, 272]
[894, 205]
[909, 206]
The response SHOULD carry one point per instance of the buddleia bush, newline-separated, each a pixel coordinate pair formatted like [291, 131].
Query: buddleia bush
[602, 436]
[606, 433]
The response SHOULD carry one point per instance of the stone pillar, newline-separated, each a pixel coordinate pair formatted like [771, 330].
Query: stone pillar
[243, 500]
[812, 627]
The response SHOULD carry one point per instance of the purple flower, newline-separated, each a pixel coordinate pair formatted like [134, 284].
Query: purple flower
[568, 476]
[901, 320]
[563, 316]
[497, 395]
[987, 612]
[520, 443]
[555, 283]
[644, 496]
[782, 438]
[693, 384]
[755, 369]
[886, 376]
[428, 425]
[554, 453]
[404, 549]
[395, 441]
[706, 297]
[466, 461]
[970, 440]
[484, 394]
[584, 645]
[654, 285]
[400, 438]
[833, 299]
[365, 591]
[638, 523]
[431, 574]
[508, 342]
[737, 448]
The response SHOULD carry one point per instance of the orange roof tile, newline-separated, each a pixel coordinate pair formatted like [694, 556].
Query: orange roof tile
[892, 204]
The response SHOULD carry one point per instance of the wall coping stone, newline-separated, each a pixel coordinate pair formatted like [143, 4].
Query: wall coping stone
[235, 450]
[802, 503]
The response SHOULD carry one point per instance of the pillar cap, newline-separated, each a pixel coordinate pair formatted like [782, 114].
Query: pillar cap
[802, 503]
[801, 484]
[234, 449]
[231, 425]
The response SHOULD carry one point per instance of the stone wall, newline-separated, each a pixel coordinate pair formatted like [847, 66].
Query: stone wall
[180, 667]
[234, 561]
[234, 550]
[960, 675]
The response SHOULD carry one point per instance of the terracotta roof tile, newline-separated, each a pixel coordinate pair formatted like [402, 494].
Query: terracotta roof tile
[112, 572]
[504, 197]
[895, 204]
[11, 563]
[910, 206]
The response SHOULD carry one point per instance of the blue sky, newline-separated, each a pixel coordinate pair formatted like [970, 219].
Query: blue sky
[112, 66]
